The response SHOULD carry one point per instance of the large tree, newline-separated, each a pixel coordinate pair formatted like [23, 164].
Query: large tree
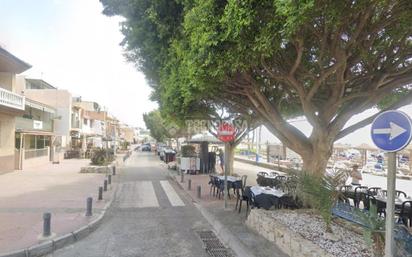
[325, 60]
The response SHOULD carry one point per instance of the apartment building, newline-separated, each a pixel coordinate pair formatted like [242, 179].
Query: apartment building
[88, 126]
[35, 140]
[60, 100]
[11, 105]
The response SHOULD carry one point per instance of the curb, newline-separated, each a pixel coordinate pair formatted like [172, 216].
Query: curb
[49, 246]
[221, 231]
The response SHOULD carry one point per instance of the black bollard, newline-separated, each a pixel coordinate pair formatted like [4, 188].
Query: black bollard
[46, 224]
[114, 170]
[105, 185]
[89, 206]
[189, 184]
[199, 192]
[181, 178]
[100, 193]
[109, 179]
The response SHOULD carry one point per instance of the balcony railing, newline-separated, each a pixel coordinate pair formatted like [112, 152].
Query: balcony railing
[29, 124]
[11, 99]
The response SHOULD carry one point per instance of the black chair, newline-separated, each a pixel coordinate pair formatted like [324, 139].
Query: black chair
[212, 184]
[289, 202]
[369, 199]
[274, 174]
[400, 193]
[247, 196]
[374, 190]
[405, 216]
[347, 193]
[357, 197]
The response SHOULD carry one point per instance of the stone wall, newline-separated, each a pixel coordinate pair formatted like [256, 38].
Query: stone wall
[288, 241]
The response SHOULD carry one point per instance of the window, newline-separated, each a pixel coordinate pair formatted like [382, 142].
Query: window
[85, 121]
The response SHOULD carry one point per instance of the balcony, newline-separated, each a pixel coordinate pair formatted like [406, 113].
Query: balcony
[29, 124]
[76, 124]
[11, 100]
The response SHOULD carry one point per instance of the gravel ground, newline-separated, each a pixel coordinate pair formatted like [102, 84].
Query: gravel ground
[342, 243]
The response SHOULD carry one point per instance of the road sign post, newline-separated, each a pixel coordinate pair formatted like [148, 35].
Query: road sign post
[226, 133]
[391, 132]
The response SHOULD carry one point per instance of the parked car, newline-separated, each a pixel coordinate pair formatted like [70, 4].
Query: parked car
[146, 148]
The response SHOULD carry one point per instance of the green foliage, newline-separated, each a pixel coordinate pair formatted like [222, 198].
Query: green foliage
[272, 60]
[160, 128]
[102, 157]
[320, 193]
[374, 228]
[125, 145]
[188, 151]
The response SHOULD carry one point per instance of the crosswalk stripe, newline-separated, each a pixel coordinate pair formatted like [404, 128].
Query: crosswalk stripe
[138, 194]
[174, 199]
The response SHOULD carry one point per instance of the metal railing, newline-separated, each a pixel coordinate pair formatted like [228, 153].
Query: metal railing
[35, 153]
[10, 99]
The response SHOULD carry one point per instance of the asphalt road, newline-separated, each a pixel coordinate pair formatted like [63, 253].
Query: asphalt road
[150, 216]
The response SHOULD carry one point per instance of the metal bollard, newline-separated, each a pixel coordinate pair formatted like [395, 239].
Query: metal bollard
[109, 179]
[46, 224]
[181, 178]
[89, 206]
[199, 191]
[105, 185]
[114, 170]
[100, 193]
[189, 184]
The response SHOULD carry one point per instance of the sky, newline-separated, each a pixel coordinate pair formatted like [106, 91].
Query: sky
[73, 46]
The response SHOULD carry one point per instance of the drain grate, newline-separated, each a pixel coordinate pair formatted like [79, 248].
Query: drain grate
[218, 253]
[212, 244]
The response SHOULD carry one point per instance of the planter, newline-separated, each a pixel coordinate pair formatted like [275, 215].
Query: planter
[302, 233]
[96, 169]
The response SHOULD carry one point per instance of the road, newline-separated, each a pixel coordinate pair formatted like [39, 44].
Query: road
[150, 216]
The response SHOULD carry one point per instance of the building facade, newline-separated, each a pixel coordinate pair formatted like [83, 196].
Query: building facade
[12, 104]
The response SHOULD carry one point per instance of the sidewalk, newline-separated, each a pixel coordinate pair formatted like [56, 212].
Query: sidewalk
[229, 224]
[57, 188]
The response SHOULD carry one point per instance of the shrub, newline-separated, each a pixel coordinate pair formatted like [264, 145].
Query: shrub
[188, 151]
[320, 193]
[102, 156]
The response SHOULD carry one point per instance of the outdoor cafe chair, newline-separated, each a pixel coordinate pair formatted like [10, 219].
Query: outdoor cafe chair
[274, 174]
[400, 193]
[374, 190]
[212, 184]
[357, 197]
[245, 196]
[347, 193]
[405, 215]
[368, 199]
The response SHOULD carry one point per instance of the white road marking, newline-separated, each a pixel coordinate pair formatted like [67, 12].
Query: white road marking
[171, 194]
[138, 194]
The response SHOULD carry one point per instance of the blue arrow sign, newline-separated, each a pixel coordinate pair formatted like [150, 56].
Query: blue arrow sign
[391, 131]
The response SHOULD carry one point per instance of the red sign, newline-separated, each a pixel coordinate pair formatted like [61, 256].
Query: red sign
[226, 132]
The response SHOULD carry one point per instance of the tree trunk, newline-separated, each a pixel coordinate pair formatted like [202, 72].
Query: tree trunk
[229, 158]
[316, 161]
